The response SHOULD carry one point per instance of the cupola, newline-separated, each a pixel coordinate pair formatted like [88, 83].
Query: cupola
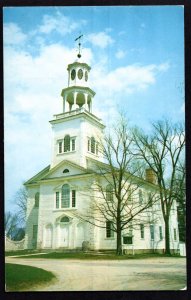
[78, 94]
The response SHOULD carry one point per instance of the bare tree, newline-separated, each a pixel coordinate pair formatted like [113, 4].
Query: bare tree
[11, 223]
[15, 222]
[21, 203]
[162, 151]
[180, 196]
[116, 202]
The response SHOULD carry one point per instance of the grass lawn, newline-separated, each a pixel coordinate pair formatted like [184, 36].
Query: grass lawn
[20, 252]
[19, 277]
[83, 255]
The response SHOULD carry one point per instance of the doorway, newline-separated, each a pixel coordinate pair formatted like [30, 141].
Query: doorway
[64, 235]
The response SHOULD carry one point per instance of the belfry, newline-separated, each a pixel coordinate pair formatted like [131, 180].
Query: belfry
[78, 94]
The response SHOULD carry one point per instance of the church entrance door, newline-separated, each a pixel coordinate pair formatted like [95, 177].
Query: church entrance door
[64, 235]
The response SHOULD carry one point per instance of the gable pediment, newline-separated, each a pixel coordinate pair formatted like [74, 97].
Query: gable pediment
[38, 176]
[65, 169]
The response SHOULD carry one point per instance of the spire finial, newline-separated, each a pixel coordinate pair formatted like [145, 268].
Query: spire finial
[79, 44]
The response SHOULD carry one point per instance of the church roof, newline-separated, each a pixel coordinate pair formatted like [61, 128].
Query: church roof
[51, 173]
[38, 176]
[105, 168]
[93, 167]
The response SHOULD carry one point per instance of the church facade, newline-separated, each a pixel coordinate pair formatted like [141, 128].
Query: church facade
[61, 192]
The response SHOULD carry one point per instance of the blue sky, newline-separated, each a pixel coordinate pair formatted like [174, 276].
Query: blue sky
[137, 59]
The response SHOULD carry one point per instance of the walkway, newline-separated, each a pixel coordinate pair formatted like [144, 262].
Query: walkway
[107, 275]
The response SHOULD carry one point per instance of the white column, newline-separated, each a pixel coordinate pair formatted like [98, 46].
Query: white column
[86, 101]
[75, 97]
[66, 104]
[91, 105]
[69, 77]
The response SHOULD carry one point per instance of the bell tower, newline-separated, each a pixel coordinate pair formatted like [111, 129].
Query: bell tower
[77, 131]
[78, 94]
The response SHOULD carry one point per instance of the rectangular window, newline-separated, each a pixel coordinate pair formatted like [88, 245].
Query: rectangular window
[109, 231]
[152, 232]
[127, 240]
[109, 193]
[35, 230]
[57, 199]
[160, 233]
[140, 197]
[175, 235]
[93, 145]
[36, 203]
[142, 231]
[73, 145]
[88, 145]
[60, 147]
[150, 198]
[73, 198]
[67, 143]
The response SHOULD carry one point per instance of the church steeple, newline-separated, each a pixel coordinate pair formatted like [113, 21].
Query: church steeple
[78, 94]
[76, 131]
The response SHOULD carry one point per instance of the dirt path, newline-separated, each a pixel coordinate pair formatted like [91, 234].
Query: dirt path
[105, 275]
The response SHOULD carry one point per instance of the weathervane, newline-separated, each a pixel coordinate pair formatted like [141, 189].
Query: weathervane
[79, 44]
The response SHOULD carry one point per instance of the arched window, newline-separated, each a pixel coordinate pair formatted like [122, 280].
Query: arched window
[66, 171]
[92, 144]
[66, 143]
[65, 199]
[36, 203]
[109, 192]
[65, 219]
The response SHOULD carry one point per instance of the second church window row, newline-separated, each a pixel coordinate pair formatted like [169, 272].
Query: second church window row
[92, 145]
[68, 144]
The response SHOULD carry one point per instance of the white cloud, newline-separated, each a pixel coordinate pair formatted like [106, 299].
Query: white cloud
[127, 79]
[59, 23]
[164, 67]
[43, 73]
[100, 39]
[120, 54]
[114, 88]
[13, 35]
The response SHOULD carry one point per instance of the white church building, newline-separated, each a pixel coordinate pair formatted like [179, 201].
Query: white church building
[57, 194]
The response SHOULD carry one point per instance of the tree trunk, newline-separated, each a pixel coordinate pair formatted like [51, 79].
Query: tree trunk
[167, 236]
[119, 244]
